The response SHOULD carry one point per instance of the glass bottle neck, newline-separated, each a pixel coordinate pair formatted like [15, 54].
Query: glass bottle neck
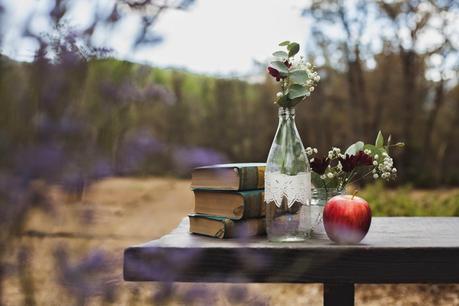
[286, 113]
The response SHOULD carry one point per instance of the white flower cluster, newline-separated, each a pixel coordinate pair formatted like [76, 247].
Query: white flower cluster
[310, 151]
[339, 167]
[330, 175]
[313, 76]
[384, 169]
[334, 153]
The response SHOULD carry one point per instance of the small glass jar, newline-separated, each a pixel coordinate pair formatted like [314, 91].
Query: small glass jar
[320, 197]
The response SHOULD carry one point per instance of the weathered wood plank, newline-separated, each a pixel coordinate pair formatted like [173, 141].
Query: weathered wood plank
[396, 250]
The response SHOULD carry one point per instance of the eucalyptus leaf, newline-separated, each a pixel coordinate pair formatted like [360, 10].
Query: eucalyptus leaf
[282, 100]
[284, 43]
[281, 54]
[280, 66]
[354, 148]
[293, 48]
[379, 140]
[296, 91]
[298, 76]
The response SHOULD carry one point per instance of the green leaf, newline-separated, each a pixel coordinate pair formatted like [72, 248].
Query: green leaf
[375, 151]
[284, 43]
[379, 140]
[279, 66]
[296, 91]
[282, 100]
[388, 142]
[354, 148]
[293, 49]
[281, 54]
[298, 76]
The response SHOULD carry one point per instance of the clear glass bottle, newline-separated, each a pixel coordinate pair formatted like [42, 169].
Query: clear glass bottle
[320, 197]
[287, 183]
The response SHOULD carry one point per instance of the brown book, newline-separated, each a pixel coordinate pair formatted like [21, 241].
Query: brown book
[234, 205]
[220, 227]
[246, 176]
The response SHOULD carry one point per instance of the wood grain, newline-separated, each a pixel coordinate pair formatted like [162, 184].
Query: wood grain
[396, 250]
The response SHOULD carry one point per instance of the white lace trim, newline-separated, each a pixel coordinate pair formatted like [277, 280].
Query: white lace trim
[295, 188]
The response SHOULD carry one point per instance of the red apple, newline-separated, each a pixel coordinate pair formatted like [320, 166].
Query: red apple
[347, 219]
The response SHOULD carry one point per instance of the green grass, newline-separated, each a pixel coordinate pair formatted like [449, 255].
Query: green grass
[406, 201]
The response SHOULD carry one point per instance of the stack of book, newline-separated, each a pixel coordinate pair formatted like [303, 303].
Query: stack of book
[228, 200]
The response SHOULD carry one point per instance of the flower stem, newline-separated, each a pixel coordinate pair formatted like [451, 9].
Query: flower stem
[353, 194]
[359, 178]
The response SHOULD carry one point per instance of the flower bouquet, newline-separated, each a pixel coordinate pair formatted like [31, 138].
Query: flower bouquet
[331, 173]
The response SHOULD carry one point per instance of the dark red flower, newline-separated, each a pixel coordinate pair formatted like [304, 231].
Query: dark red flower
[349, 162]
[275, 73]
[319, 165]
[288, 64]
[364, 159]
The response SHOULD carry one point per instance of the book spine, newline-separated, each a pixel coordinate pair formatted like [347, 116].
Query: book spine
[253, 205]
[251, 178]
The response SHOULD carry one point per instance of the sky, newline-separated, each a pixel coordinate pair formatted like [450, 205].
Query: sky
[217, 37]
[222, 37]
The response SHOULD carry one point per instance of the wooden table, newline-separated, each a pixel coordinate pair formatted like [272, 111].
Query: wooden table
[396, 250]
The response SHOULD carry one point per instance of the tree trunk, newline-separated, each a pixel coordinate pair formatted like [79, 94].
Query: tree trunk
[408, 59]
[432, 116]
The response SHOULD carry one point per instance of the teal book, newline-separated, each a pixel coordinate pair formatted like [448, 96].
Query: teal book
[234, 205]
[221, 227]
[243, 176]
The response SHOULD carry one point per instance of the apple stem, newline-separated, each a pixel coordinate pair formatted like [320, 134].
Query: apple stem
[353, 195]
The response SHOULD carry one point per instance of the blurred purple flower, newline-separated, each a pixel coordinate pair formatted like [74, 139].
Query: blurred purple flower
[160, 266]
[136, 148]
[159, 93]
[43, 161]
[93, 275]
[127, 92]
[76, 177]
[188, 158]
[164, 292]
[237, 294]
[198, 293]
[101, 168]
[73, 182]
[65, 127]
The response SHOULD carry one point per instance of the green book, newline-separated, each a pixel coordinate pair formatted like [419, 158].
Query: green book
[243, 176]
[221, 227]
[234, 205]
